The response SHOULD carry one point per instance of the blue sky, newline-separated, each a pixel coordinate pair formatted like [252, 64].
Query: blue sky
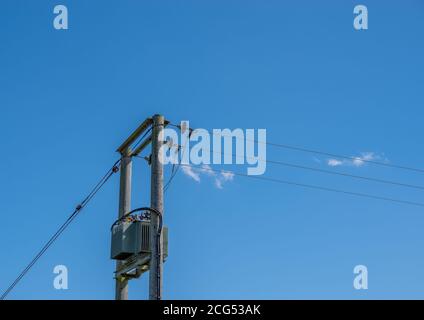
[297, 68]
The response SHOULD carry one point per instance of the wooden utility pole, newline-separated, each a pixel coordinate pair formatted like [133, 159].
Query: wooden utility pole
[156, 200]
[121, 284]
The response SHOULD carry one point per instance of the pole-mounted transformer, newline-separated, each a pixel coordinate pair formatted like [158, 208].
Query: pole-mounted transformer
[131, 236]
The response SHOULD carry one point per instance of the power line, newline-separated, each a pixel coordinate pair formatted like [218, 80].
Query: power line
[338, 173]
[298, 166]
[358, 194]
[141, 138]
[173, 174]
[329, 154]
[62, 228]
[344, 157]
[175, 168]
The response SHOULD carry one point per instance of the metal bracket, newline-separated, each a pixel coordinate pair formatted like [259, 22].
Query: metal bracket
[138, 262]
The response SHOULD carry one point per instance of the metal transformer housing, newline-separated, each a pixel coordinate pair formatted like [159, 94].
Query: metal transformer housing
[130, 238]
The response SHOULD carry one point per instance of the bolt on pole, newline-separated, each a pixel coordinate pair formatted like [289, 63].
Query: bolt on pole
[156, 200]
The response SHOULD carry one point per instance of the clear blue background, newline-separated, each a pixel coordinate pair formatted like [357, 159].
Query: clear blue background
[297, 68]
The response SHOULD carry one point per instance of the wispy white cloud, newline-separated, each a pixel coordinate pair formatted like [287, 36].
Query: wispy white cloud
[356, 161]
[207, 170]
[219, 177]
[188, 171]
[218, 184]
[227, 175]
[224, 176]
[367, 156]
[334, 162]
